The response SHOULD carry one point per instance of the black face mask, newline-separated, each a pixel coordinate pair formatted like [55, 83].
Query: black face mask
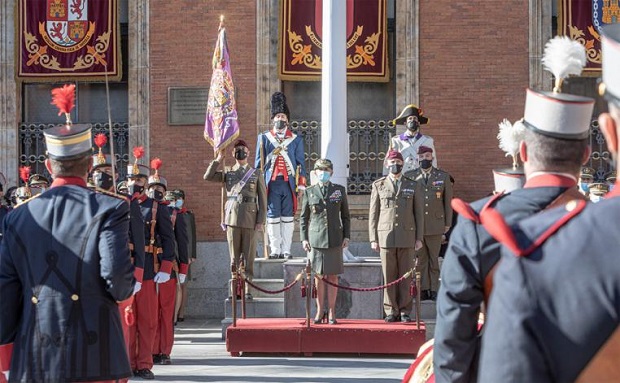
[396, 168]
[240, 154]
[413, 125]
[425, 164]
[157, 195]
[103, 180]
[280, 125]
[135, 189]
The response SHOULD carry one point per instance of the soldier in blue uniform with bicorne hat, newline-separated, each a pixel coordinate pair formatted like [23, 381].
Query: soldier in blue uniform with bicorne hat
[64, 265]
[555, 306]
[553, 149]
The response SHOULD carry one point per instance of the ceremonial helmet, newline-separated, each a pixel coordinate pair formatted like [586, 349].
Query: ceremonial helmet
[155, 178]
[609, 86]
[137, 170]
[100, 159]
[587, 173]
[23, 192]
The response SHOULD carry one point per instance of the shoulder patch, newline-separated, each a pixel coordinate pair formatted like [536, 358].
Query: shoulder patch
[119, 196]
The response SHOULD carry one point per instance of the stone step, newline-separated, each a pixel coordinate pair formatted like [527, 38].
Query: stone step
[428, 310]
[267, 284]
[268, 268]
[258, 308]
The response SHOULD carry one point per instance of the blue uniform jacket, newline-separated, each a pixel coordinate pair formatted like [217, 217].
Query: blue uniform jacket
[551, 311]
[163, 238]
[295, 152]
[471, 254]
[136, 238]
[64, 264]
[181, 237]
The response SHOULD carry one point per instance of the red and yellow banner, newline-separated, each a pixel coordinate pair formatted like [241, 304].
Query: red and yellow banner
[581, 20]
[61, 39]
[300, 40]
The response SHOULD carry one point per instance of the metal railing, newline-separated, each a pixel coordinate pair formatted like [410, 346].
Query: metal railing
[369, 142]
[32, 145]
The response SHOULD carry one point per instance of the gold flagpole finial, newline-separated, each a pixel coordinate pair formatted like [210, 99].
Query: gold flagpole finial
[221, 22]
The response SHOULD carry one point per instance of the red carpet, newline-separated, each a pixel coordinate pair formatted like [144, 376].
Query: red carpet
[290, 335]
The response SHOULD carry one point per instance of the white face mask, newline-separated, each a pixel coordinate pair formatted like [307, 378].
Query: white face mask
[179, 204]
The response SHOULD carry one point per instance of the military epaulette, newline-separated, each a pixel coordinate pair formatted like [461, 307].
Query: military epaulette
[119, 196]
[26, 201]
[495, 224]
[379, 180]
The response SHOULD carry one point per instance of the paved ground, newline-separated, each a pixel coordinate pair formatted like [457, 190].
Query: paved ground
[200, 355]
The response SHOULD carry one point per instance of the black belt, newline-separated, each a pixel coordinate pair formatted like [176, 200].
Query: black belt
[244, 199]
[280, 178]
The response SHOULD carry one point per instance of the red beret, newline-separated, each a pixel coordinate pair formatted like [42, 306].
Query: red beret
[424, 149]
[394, 155]
[240, 143]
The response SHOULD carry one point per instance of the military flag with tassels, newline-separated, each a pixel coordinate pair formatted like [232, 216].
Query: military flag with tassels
[222, 125]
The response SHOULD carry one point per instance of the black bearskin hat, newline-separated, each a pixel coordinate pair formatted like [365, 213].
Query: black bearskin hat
[278, 105]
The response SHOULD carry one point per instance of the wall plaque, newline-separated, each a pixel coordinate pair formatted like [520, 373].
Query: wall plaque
[187, 106]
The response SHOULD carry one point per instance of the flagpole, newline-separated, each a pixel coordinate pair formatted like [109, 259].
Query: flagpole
[262, 169]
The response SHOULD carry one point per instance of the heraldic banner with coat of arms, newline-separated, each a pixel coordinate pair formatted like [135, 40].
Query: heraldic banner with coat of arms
[581, 20]
[60, 39]
[300, 40]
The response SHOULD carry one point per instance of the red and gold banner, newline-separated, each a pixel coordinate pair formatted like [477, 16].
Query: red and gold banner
[68, 39]
[300, 40]
[581, 20]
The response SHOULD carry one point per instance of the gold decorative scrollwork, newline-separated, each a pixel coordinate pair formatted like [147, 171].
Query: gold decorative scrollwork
[593, 54]
[40, 54]
[302, 53]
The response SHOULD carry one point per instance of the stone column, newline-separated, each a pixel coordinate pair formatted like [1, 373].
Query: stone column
[9, 108]
[139, 75]
[540, 33]
[334, 136]
[267, 82]
[407, 34]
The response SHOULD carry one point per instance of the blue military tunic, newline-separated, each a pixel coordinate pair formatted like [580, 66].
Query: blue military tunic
[162, 238]
[471, 254]
[553, 309]
[64, 264]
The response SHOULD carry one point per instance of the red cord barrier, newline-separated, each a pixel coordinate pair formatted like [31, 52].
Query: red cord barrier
[407, 275]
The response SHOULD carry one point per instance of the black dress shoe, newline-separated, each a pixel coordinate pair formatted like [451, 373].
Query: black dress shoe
[425, 295]
[321, 319]
[274, 256]
[405, 318]
[288, 256]
[180, 319]
[333, 321]
[281, 256]
[248, 297]
[165, 359]
[433, 296]
[390, 318]
[145, 373]
[156, 358]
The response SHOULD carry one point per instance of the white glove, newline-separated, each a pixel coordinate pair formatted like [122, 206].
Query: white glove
[182, 278]
[161, 277]
[6, 374]
[137, 287]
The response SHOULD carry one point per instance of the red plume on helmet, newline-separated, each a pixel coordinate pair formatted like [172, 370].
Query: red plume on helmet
[156, 164]
[64, 99]
[100, 140]
[24, 173]
[138, 152]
